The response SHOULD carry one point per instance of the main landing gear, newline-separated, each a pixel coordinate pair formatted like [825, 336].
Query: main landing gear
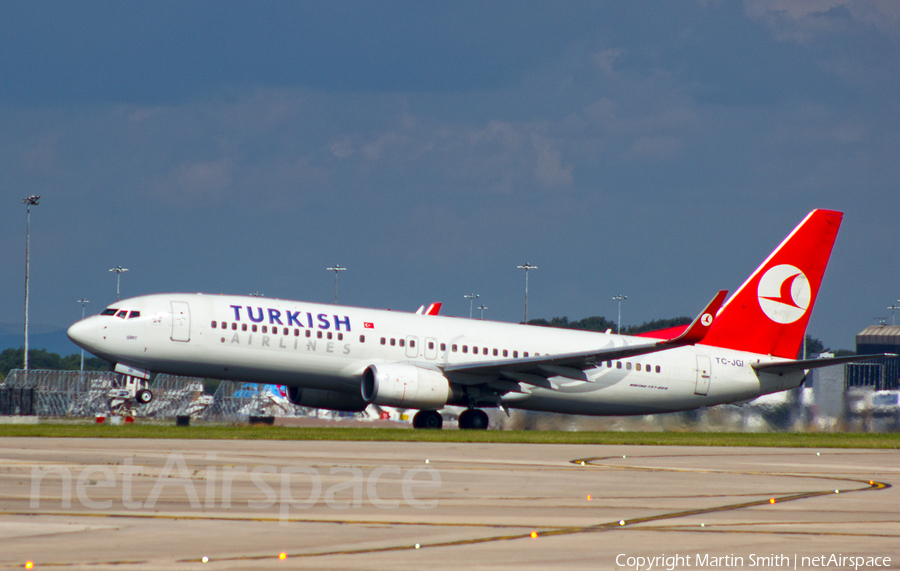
[428, 419]
[473, 419]
[470, 419]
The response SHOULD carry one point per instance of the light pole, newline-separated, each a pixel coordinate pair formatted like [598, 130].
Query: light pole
[83, 302]
[482, 308]
[336, 268]
[119, 271]
[620, 299]
[892, 307]
[526, 266]
[28, 201]
[471, 297]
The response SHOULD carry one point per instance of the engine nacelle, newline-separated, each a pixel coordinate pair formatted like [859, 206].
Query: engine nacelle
[405, 386]
[330, 400]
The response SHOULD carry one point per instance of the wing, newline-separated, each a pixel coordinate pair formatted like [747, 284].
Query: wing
[537, 371]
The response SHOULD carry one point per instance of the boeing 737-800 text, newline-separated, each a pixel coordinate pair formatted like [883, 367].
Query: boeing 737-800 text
[345, 358]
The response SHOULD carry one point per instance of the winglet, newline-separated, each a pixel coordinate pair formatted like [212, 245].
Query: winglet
[432, 309]
[698, 328]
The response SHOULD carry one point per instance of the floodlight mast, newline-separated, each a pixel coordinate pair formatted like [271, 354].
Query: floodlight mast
[28, 201]
[620, 298]
[526, 266]
[482, 308]
[336, 268]
[119, 271]
[471, 297]
[893, 307]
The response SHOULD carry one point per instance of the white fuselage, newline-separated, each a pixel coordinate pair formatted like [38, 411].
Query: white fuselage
[328, 347]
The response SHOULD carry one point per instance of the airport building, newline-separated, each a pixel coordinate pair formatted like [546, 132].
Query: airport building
[881, 374]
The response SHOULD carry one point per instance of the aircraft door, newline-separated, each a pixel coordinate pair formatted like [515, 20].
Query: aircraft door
[431, 350]
[704, 374]
[412, 346]
[181, 321]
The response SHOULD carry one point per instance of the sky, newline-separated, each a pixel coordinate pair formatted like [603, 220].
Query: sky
[657, 150]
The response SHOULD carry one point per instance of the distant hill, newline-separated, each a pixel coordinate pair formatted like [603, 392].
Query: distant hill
[53, 339]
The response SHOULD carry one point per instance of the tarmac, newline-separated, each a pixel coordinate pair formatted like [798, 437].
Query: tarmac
[168, 504]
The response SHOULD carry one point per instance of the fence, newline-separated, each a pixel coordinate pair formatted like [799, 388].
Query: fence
[73, 394]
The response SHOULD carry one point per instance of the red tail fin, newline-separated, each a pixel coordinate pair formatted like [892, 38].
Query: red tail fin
[769, 313]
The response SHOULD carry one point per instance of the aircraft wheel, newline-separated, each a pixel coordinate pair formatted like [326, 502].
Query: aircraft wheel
[479, 420]
[428, 419]
[144, 396]
[465, 419]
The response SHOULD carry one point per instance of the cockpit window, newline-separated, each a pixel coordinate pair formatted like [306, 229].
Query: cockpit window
[109, 311]
[134, 314]
[122, 313]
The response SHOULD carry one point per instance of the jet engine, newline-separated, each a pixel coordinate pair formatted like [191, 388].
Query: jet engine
[405, 386]
[330, 400]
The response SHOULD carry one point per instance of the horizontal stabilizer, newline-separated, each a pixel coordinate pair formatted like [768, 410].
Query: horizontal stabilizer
[803, 365]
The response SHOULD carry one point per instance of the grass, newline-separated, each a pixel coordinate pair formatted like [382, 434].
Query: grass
[242, 432]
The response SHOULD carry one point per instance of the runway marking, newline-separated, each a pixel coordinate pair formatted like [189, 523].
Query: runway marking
[543, 531]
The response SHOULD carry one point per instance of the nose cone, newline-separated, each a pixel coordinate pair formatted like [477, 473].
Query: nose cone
[84, 333]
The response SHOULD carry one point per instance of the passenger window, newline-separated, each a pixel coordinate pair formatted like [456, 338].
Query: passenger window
[340, 336]
[403, 342]
[453, 347]
[383, 340]
[243, 326]
[265, 329]
[515, 354]
[412, 342]
[525, 354]
[362, 338]
[495, 352]
[628, 365]
[318, 334]
[286, 331]
[329, 335]
[505, 353]
[658, 369]
[253, 328]
[609, 364]
[465, 348]
[431, 344]
[443, 346]
[618, 364]
[638, 366]
[234, 326]
[296, 333]
[224, 325]
[214, 324]
[308, 333]
[484, 351]
[393, 341]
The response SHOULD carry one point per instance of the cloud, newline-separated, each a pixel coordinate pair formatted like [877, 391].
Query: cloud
[203, 180]
[605, 59]
[802, 21]
[548, 168]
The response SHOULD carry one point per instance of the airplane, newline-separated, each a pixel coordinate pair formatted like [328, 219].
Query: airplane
[345, 358]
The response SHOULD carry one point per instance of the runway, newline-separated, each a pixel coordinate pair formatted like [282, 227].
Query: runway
[154, 504]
